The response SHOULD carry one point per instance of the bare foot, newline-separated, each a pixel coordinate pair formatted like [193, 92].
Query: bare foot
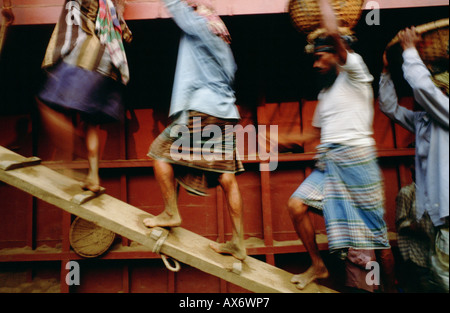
[313, 273]
[92, 184]
[229, 248]
[163, 220]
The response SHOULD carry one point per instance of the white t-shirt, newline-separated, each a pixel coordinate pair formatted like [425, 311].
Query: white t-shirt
[345, 110]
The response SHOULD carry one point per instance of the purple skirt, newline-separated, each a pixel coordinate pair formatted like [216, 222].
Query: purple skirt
[96, 97]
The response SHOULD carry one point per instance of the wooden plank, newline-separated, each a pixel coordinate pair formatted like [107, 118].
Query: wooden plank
[29, 12]
[8, 165]
[126, 220]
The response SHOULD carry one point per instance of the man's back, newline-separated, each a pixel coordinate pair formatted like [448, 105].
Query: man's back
[205, 68]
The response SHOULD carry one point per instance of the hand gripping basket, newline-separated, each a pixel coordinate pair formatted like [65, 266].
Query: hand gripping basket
[435, 43]
[434, 50]
[306, 16]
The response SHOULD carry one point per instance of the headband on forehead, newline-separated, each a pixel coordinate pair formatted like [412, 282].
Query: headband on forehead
[326, 44]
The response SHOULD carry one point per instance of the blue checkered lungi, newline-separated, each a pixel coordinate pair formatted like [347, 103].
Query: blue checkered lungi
[348, 187]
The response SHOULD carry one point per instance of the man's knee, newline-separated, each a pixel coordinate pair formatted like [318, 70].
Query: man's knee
[296, 208]
[162, 166]
[227, 180]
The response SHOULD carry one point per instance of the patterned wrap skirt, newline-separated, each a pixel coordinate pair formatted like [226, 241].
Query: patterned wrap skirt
[200, 152]
[348, 187]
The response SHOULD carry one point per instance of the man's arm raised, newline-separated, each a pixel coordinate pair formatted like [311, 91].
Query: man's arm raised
[330, 24]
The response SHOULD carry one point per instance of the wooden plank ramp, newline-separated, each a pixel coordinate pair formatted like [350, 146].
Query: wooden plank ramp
[126, 220]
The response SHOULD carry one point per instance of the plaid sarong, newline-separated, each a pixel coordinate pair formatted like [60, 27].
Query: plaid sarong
[414, 245]
[352, 199]
[198, 155]
[311, 190]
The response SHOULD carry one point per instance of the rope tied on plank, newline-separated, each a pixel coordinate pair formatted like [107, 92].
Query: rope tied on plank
[160, 235]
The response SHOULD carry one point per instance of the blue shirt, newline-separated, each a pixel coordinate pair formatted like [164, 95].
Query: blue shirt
[431, 130]
[205, 68]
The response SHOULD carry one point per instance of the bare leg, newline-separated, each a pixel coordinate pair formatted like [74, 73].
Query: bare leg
[305, 230]
[62, 132]
[58, 127]
[92, 182]
[68, 138]
[170, 217]
[236, 246]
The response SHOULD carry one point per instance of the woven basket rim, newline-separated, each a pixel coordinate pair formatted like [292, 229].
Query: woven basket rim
[80, 252]
[423, 29]
[344, 12]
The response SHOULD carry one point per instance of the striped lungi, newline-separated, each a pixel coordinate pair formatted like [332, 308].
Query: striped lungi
[200, 151]
[348, 187]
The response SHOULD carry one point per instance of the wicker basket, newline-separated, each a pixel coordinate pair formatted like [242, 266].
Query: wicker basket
[435, 44]
[433, 49]
[306, 14]
[88, 239]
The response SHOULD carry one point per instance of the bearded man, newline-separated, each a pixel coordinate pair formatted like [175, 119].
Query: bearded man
[347, 184]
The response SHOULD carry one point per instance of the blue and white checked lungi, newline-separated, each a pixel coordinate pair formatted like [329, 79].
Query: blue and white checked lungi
[348, 187]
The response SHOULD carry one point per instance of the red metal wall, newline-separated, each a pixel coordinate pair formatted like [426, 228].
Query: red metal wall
[33, 223]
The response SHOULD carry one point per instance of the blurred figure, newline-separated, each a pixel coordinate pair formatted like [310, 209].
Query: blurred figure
[431, 127]
[87, 69]
[203, 100]
[347, 184]
[414, 239]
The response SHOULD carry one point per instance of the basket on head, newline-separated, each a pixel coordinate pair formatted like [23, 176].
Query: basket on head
[435, 43]
[434, 48]
[306, 14]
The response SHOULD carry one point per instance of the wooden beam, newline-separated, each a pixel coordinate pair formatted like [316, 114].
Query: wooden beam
[29, 12]
[126, 220]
